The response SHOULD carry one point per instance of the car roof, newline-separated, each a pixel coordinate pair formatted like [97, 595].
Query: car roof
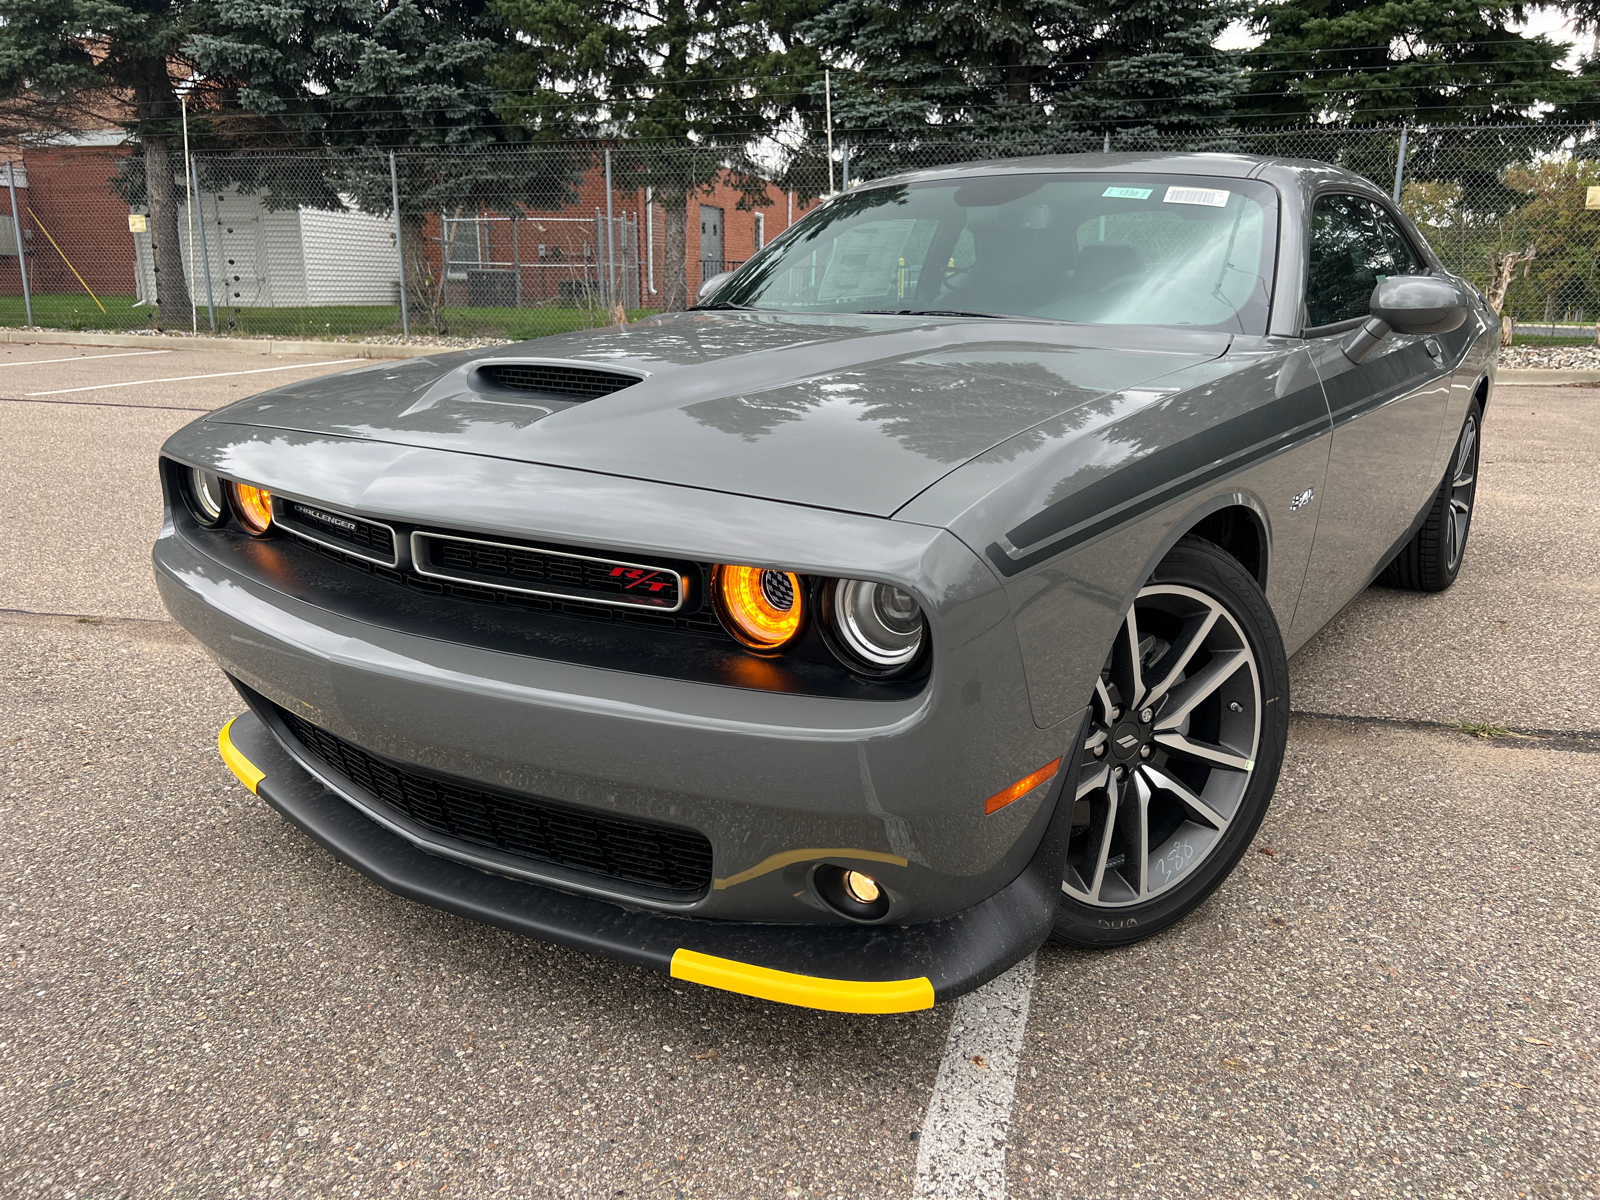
[1231, 166]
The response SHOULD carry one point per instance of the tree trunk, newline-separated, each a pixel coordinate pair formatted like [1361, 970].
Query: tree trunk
[164, 197]
[675, 219]
[424, 281]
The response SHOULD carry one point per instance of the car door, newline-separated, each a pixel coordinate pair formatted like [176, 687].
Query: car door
[1387, 411]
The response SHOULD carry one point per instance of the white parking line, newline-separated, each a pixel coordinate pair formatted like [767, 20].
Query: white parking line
[95, 387]
[34, 362]
[961, 1151]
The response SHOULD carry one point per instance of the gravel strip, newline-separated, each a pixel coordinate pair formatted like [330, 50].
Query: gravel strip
[1554, 358]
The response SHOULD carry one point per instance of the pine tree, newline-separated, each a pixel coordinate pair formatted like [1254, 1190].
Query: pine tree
[1353, 62]
[86, 56]
[353, 79]
[689, 83]
[1055, 74]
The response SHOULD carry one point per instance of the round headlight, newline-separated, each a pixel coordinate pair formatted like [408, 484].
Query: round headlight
[253, 507]
[761, 608]
[880, 624]
[206, 500]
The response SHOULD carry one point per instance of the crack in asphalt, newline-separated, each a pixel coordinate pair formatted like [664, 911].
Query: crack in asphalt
[1581, 741]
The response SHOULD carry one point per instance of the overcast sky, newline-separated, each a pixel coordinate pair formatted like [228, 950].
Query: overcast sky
[1555, 25]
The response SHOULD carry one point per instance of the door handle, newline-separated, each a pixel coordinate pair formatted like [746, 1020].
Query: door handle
[1432, 346]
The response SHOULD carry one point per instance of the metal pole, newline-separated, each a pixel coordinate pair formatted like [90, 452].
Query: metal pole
[205, 255]
[16, 225]
[188, 203]
[844, 161]
[1105, 147]
[1400, 163]
[650, 238]
[611, 240]
[399, 248]
[827, 100]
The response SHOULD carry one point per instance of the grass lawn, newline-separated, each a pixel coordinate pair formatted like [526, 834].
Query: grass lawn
[321, 321]
[1541, 339]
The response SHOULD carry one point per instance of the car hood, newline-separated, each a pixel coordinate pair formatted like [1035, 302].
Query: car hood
[857, 413]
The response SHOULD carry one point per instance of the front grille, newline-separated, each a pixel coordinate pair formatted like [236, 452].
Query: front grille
[549, 379]
[677, 861]
[548, 572]
[362, 536]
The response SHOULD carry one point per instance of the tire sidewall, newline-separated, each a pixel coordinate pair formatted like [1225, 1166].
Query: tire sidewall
[1206, 567]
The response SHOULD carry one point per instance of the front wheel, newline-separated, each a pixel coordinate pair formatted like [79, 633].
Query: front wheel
[1181, 751]
[1431, 560]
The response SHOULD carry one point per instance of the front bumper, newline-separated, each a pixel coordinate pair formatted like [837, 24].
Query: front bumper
[840, 968]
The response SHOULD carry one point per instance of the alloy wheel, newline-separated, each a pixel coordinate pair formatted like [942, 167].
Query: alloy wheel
[1463, 487]
[1174, 726]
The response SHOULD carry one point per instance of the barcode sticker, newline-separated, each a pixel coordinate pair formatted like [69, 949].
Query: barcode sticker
[1127, 193]
[1211, 197]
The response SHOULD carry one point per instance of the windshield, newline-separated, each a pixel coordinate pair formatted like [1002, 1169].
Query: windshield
[1095, 248]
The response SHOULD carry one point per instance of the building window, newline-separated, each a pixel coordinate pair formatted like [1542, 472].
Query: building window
[761, 230]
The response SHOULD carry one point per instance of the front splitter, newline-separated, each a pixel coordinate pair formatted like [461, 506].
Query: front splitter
[839, 968]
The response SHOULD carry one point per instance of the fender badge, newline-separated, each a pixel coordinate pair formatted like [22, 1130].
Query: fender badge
[1303, 499]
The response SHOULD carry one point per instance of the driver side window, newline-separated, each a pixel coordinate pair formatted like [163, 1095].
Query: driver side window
[1354, 244]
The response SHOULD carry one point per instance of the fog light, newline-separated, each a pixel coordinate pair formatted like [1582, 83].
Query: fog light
[863, 889]
[253, 507]
[851, 893]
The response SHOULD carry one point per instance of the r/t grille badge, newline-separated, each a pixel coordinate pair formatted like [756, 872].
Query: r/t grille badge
[1303, 499]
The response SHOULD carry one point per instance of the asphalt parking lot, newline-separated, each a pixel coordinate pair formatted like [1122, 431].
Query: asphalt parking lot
[1395, 995]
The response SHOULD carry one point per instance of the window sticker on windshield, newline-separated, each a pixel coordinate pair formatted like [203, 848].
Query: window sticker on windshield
[1127, 193]
[1211, 197]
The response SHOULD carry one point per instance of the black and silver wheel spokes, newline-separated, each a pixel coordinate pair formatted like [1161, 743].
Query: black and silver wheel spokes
[1174, 725]
[1463, 486]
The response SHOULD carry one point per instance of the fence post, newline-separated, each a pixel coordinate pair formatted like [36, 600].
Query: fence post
[399, 247]
[611, 239]
[1105, 147]
[1400, 163]
[205, 255]
[844, 162]
[16, 226]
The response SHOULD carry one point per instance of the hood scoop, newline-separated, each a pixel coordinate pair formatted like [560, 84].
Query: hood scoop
[550, 380]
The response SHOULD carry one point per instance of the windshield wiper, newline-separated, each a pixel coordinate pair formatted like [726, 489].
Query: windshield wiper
[721, 305]
[930, 312]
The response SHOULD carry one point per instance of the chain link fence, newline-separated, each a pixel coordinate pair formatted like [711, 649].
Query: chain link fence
[507, 242]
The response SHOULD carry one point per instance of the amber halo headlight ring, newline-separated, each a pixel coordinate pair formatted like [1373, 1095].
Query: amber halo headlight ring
[879, 627]
[763, 608]
[252, 506]
[206, 496]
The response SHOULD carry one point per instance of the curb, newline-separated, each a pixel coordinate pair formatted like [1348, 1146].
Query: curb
[49, 337]
[1527, 376]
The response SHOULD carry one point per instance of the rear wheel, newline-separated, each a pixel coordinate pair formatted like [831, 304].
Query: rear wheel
[1180, 754]
[1431, 561]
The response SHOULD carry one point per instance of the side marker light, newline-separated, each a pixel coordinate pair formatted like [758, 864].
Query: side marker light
[1021, 787]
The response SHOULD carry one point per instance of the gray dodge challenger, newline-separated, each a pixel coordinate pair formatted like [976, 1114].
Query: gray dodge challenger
[924, 592]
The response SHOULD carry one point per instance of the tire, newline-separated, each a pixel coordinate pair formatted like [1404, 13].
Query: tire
[1432, 559]
[1180, 753]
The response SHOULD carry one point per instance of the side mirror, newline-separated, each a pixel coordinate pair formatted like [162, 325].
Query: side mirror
[709, 287]
[1408, 304]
